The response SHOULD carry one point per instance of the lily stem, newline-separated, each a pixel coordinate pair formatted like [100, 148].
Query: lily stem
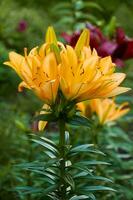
[62, 188]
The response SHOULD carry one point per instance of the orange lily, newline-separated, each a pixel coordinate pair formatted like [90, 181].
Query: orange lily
[84, 75]
[38, 70]
[106, 109]
[81, 73]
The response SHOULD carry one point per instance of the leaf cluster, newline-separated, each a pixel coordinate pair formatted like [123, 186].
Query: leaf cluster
[80, 178]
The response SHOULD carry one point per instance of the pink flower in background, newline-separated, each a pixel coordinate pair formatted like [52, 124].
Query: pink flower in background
[22, 26]
[120, 47]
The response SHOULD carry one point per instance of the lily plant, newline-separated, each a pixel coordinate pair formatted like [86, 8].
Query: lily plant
[62, 76]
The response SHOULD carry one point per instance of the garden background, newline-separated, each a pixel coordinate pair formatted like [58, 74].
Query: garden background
[23, 23]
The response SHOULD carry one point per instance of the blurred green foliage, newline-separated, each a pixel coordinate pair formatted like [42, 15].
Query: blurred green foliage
[16, 110]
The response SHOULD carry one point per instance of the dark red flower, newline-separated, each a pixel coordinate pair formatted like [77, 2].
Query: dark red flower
[71, 39]
[107, 48]
[96, 36]
[120, 47]
[125, 45]
[22, 26]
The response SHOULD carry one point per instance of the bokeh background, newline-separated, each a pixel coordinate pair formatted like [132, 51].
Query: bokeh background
[23, 24]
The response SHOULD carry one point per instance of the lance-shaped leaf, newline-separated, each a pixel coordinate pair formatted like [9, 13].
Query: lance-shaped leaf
[47, 146]
[79, 197]
[69, 180]
[91, 162]
[97, 188]
[77, 120]
[27, 189]
[84, 175]
[49, 142]
[87, 148]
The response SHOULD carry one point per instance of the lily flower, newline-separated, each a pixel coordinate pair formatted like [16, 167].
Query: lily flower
[38, 70]
[87, 76]
[106, 109]
[62, 76]
[78, 72]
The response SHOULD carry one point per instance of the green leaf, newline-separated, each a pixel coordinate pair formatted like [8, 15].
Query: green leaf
[50, 154]
[53, 196]
[91, 162]
[100, 178]
[61, 6]
[49, 142]
[46, 117]
[49, 177]
[79, 121]
[111, 27]
[84, 148]
[31, 165]
[93, 5]
[81, 174]
[50, 189]
[65, 12]
[47, 146]
[86, 5]
[28, 189]
[67, 140]
[84, 175]
[69, 180]
[97, 188]
[66, 20]
[82, 168]
[79, 197]
[92, 196]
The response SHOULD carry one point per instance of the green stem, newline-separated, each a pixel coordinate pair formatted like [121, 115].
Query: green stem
[95, 140]
[62, 188]
[29, 181]
[95, 135]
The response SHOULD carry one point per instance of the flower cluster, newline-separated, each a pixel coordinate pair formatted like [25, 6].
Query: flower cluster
[106, 109]
[120, 47]
[79, 73]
